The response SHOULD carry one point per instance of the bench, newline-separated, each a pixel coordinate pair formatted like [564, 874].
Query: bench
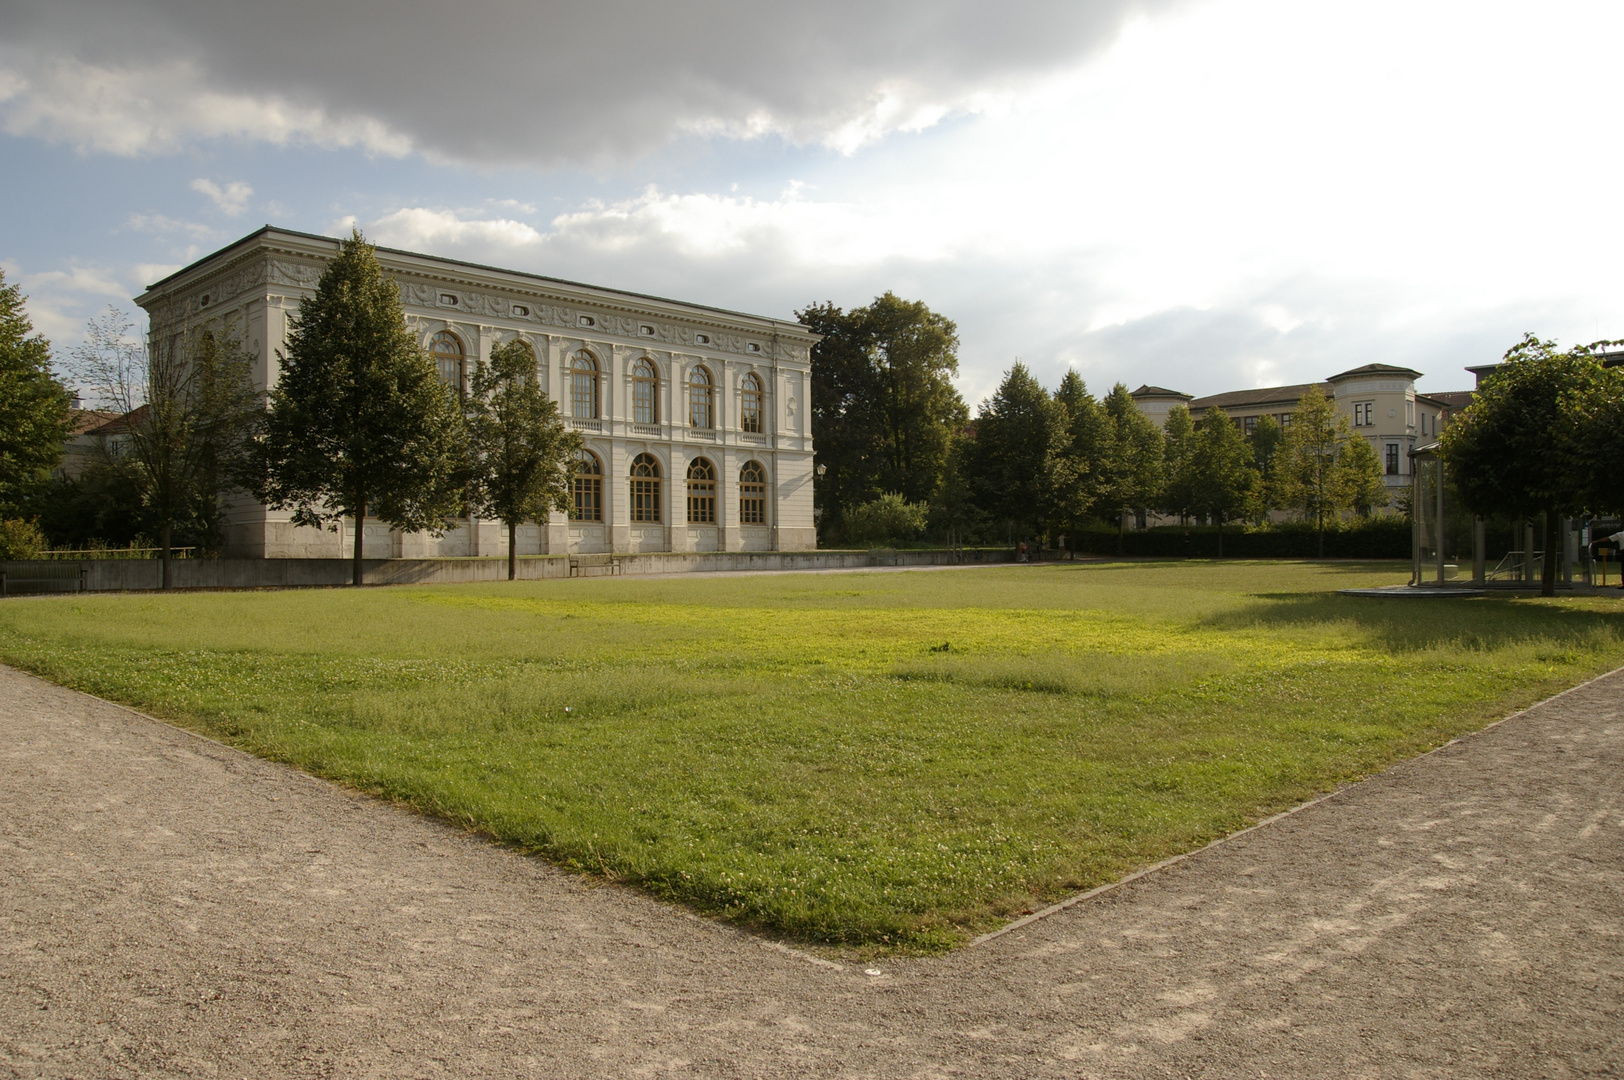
[602, 560]
[24, 578]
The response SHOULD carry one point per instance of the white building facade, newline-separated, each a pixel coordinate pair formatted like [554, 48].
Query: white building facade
[696, 420]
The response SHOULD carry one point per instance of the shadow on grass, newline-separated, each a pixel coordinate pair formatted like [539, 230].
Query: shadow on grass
[1408, 625]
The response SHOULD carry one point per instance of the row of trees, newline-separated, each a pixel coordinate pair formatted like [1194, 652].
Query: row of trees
[900, 452]
[359, 425]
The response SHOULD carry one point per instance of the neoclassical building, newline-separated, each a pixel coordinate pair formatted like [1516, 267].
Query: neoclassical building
[1379, 400]
[696, 419]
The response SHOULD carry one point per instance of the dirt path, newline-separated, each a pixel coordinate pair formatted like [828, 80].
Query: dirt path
[170, 907]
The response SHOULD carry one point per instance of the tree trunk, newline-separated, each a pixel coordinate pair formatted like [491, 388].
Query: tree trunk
[360, 532]
[1320, 532]
[513, 549]
[1220, 537]
[1122, 527]
[164, 554]
[1553, 537]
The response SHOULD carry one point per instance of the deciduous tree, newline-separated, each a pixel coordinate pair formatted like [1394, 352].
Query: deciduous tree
[360, 422]
[1307, 478]
[522, 455]
[1222, 478]
[189, 411]
[1520, 448]
[884, 408]
[1132, 476]
[1178, 480]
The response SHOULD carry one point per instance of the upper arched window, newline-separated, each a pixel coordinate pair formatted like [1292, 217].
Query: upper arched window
[701, 493]
[587, 487]
[449, 359]
[645, 489]
[645, 384]
[701, 399]
[584, 386]
[750, 404]
[752, 494]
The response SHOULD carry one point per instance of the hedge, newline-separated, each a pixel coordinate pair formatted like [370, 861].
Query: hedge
[1374, 538]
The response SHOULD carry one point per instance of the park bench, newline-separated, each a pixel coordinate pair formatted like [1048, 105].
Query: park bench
[603, 560]
[23, 578]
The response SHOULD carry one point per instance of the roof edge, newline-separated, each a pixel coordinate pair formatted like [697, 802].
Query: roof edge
[263, 230]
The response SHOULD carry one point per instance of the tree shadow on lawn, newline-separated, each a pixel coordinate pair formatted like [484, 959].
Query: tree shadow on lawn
[1410, 624]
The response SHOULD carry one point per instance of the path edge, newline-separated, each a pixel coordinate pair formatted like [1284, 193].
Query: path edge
[1146, 871]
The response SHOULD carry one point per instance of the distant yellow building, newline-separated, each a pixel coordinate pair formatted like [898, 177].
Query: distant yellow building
[1379, 400]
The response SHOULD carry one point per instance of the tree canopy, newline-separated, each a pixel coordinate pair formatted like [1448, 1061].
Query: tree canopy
[1021, 439]
[1222, 479]
[1131, 479]
[1523, 447]
[33, 407]
[522, 455]
[884, 409]
[360, 422]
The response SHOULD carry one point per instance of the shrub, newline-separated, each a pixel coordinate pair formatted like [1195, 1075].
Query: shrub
[20, 539]
[1366, 538]
[890, 519]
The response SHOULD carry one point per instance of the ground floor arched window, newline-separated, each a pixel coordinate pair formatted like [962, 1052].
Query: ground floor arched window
[587, 488]
[752, 494]
[645, 491]
[701, 493]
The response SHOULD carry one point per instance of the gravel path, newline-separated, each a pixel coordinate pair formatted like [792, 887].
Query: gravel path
[171, 907]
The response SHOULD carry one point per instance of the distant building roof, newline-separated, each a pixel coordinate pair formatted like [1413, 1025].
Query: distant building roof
[1254, 399]
[116, 422]
[1453, 400]
[84, 421]
[1376, 369]
[1148, 391]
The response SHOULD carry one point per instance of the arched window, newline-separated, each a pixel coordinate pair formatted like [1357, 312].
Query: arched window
[584, 386]
[701, 399]
[449, 359]
[701, 493]
[750, 404]
[645, 489]
[588, 487]
[645, 383]
[752, 494]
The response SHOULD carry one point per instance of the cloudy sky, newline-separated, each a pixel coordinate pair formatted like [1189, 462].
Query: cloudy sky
[1203, 194]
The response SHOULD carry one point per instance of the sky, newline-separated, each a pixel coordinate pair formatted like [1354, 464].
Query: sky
[1199, 194]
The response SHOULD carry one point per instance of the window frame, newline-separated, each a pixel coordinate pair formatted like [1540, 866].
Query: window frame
[752, 493]
[586, 488]
[701, 492]
[752, 404]
[461, 359]
[1392, 460]
[644, 490]
[586, 377]
[701, 399]
[645, 386]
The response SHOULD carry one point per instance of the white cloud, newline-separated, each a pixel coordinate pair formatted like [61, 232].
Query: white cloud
[231, 200]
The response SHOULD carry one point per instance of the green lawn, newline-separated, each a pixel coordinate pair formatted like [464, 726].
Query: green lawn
[884, 761]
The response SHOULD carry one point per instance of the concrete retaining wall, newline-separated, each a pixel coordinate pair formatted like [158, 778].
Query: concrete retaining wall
[130, 575]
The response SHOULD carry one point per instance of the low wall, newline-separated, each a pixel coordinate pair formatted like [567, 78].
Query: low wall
[131, 575]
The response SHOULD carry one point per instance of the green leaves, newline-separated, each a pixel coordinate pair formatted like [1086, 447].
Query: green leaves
[360, 421]
[884, 409]
[521, 455]
[33, 406]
